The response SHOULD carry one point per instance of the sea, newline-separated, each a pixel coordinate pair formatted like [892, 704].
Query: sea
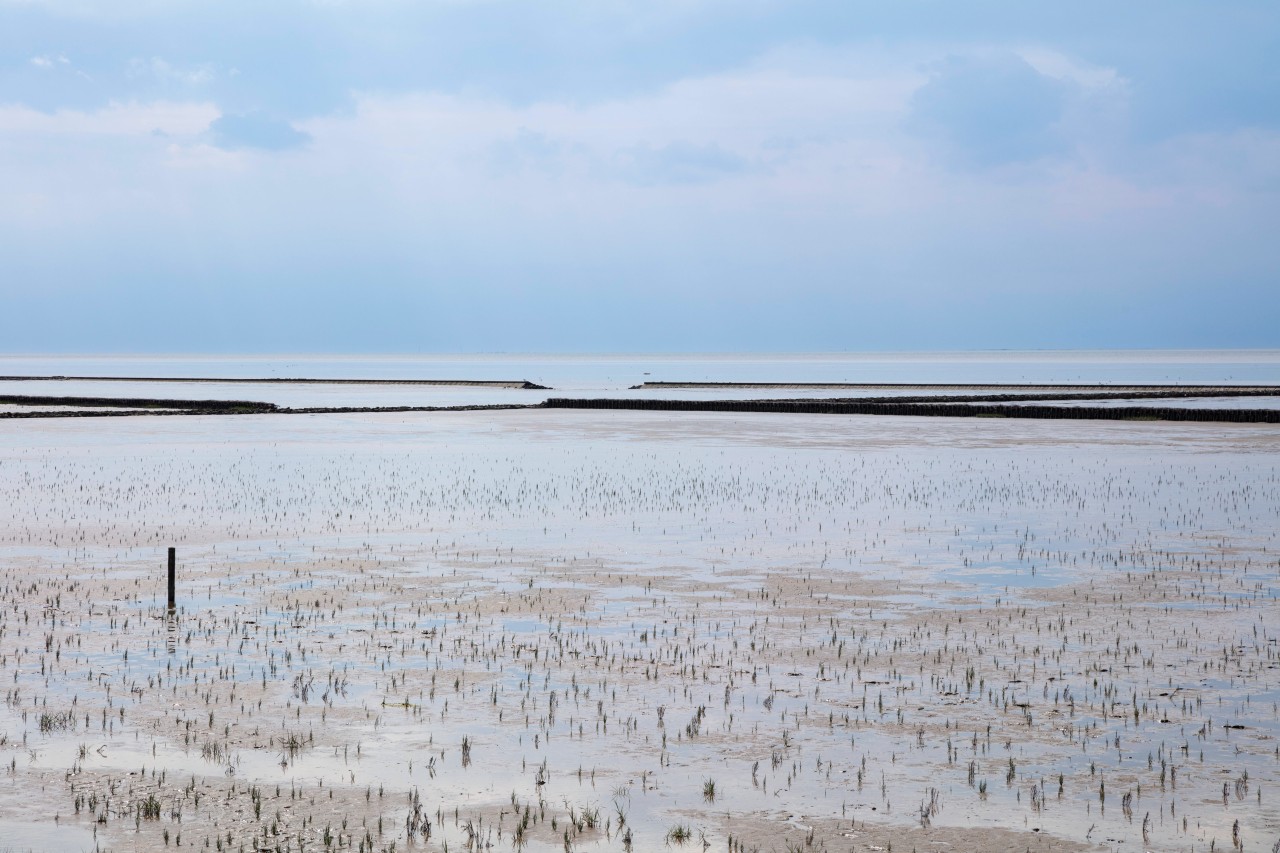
[615, 375]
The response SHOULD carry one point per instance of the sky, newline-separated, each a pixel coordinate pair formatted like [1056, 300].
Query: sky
[668, 175]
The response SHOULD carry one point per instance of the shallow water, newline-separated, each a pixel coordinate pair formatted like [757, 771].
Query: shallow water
[614, 375]
[39, 837]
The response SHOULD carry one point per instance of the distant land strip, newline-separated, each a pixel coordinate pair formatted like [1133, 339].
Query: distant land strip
[517, 384]
[928, 409]
[1217, 390]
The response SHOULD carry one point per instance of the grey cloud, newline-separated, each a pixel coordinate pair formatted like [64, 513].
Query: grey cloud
[255, 130]
[990, 111]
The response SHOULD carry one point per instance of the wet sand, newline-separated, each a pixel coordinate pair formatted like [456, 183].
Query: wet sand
[628, 630]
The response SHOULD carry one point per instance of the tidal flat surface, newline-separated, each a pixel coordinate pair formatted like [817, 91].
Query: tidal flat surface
[635, 630]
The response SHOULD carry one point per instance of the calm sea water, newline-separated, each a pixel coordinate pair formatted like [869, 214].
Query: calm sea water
[613, 375]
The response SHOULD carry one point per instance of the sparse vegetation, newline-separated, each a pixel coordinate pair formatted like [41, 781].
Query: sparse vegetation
[679, 834]
[363, 615]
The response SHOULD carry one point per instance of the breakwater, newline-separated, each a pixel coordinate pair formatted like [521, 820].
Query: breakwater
[927, 409]
[513, 384]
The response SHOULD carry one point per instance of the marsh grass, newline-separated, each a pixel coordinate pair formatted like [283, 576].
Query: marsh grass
[58, 721]
[679, 834]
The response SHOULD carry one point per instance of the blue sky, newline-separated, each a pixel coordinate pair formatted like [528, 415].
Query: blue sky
[486, 175]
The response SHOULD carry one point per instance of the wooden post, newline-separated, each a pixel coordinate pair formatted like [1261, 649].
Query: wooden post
[173, 564]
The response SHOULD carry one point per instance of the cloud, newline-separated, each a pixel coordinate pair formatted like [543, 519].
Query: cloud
[823, 179]
[990, 111]
[49, 62]
[167, 72]
[678, 162]
[255, 130]
[528, 150]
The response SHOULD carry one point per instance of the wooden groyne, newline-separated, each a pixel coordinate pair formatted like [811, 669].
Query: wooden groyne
[514, 384]
[200, 406]
[126, 408]
[1173, 390]
[929, 409]
[1060, 396]
[342, 410]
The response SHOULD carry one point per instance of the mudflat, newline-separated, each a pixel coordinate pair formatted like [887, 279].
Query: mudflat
[612, 630]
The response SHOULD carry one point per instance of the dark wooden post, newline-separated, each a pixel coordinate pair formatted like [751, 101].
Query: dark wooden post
[173, 565]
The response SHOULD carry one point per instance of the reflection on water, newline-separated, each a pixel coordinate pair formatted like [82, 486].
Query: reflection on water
[171, 631]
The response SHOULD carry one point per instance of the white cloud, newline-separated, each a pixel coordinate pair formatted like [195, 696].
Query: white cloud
[1053, 63]
[808, 155]
[168, 73]
[757, 117]
[49, 61]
